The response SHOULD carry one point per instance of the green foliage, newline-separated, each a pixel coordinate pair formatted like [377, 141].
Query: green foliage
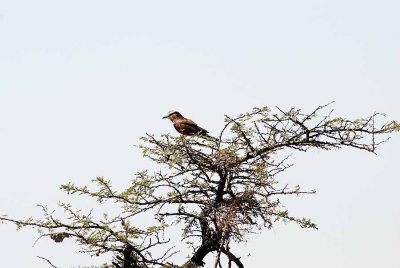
[218, 190]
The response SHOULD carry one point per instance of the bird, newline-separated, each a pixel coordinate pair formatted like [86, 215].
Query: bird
[185, 126]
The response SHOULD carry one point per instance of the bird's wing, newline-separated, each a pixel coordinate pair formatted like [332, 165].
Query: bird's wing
[190, 123]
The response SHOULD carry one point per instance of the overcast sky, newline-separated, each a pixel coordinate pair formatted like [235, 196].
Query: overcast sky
[81, 81]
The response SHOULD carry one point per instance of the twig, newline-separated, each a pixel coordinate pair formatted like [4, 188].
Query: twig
[52, 265]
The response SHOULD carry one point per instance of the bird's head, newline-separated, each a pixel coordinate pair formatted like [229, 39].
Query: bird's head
[172, 115]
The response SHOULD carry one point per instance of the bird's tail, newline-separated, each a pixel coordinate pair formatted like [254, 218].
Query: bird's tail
[207, 136]
[204, 133]
[212, 138]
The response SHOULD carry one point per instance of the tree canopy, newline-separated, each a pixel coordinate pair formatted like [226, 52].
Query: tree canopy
[218, 190]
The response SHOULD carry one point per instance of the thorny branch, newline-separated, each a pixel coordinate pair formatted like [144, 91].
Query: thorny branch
[219, 191]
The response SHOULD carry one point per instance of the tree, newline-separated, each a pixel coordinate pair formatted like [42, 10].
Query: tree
[218, 190]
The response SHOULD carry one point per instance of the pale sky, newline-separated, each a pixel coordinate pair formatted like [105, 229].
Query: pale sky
[81, 81]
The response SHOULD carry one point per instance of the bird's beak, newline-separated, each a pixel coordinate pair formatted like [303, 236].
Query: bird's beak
[165, 117]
